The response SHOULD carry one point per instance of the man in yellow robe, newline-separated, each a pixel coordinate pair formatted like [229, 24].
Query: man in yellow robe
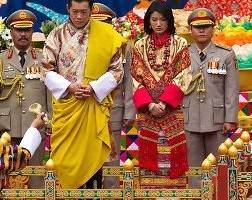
[82, 66]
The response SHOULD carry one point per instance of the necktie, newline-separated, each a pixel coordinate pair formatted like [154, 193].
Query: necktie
[22, 55]
[202, 56]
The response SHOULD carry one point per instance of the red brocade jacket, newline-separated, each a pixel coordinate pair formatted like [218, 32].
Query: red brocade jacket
[161, 73]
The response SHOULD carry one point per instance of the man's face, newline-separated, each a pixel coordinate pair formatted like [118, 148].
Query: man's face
[21, 37]
[79, 13]
[202, 34]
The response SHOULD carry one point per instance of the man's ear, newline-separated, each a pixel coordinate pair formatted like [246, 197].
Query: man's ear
[67, 7]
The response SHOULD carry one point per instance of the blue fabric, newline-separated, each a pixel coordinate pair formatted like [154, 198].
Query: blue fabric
[121, 7]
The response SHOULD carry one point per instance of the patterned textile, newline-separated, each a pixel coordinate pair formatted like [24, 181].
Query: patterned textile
[245, 109]
[12, 158]
[78, 42]
[157, 134]
[223, 7]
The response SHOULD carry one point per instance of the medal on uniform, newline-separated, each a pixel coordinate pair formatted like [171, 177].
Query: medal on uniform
[33, 72]
[223, 69]
[28, 73]
[209, 68]
[213, 66]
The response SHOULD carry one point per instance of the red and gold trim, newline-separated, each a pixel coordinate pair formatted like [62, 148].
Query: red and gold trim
[10, 53]
[33, 52]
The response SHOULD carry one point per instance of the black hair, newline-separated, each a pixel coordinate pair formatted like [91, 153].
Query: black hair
[80, 1]
[162, 8]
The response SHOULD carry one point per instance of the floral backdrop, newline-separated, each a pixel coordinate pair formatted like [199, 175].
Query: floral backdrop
[223, 7]
[5, 38]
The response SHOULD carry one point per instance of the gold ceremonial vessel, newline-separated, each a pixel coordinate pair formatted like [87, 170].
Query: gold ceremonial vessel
[36, 109]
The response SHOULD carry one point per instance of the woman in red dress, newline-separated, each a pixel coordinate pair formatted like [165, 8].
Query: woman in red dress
[162, 73]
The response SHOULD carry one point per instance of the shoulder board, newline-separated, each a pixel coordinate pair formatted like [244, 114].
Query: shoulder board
[3, 52]
[223, 47]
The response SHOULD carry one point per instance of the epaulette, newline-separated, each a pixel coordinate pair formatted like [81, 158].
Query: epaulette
[223, 47]
[3, 51]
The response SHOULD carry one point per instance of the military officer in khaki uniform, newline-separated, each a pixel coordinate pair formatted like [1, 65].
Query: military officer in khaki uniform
[211, 106]
[123, 111]
[20, 84]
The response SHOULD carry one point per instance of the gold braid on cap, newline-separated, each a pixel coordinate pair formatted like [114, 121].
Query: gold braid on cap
[12, 84]
[199, 80]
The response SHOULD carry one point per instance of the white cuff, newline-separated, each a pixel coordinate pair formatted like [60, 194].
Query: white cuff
[103, 86]
[31, 140]
[57, 84]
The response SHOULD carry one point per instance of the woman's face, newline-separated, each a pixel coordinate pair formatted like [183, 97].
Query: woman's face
[158, 23]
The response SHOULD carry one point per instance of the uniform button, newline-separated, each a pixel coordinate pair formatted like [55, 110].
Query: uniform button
[23, 98]
[22, 73]
[23, 86]
[201, 100]
[201, 67]
[23, 111]
[7, 76]
[222, 105]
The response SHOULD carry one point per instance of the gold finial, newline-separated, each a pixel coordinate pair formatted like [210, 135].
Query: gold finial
[211, 158]
[206, 165]
[239, 144]
[4, 141]
[244, 122]
[233, 152]
[7, 137]
[1, 147]
[228, 142]
[245, 136]
[49, 165]
[128, 165]
[223, 149]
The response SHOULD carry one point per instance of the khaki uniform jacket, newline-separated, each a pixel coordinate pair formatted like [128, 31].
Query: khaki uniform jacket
[222, 91]
[15, 118]
[123, 107]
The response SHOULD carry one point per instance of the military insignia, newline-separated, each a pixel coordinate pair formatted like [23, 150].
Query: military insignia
[33, 72]
[96, 9]
[213, 67]
[33, 52]
[236, 62]
[202, 14]
[22, 15]
[10, 53]
[217, 59]
[223, 69]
